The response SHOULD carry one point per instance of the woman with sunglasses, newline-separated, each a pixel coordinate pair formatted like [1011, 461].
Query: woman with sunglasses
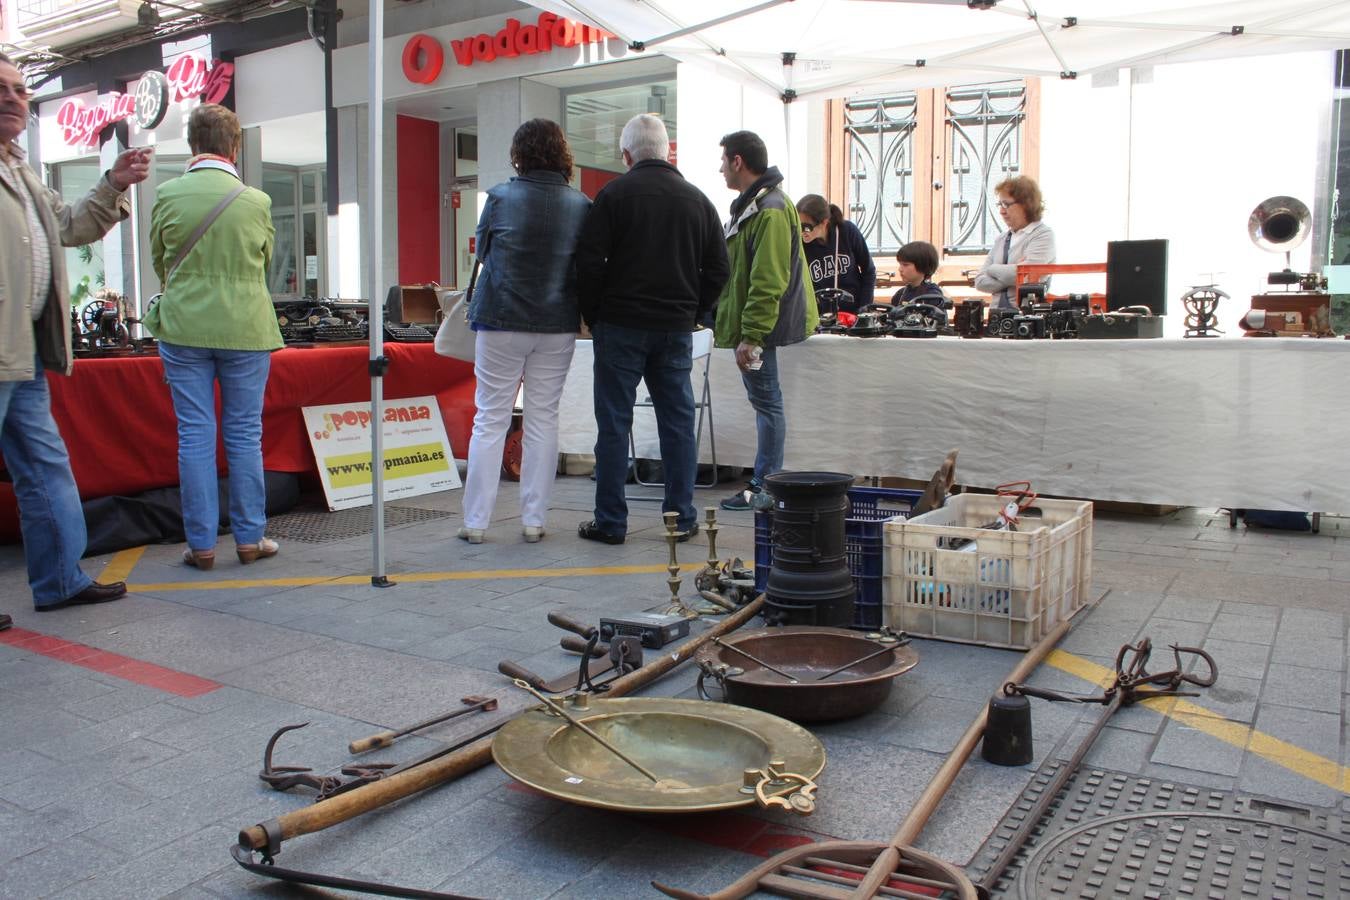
[1028, 240]
[837, 253]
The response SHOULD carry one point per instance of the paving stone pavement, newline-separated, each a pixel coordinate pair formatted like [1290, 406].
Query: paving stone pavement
[115, 788]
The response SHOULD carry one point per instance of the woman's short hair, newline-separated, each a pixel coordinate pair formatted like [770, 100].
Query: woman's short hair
[1024, 190]
[818, 209]
[214, 129]
[921, 255]
[540, 144]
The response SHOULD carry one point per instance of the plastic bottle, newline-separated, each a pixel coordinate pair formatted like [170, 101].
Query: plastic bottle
[756, 359]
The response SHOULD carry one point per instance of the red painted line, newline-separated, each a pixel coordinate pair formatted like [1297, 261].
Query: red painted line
[125, 667]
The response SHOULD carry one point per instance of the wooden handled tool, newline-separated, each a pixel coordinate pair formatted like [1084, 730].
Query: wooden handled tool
[385, 738]
[516, 671]
[575, 644]
[567, 623]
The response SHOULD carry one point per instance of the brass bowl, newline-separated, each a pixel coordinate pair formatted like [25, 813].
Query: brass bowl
[698, 751]
[804, 653]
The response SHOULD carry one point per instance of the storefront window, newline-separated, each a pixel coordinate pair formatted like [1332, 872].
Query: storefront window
[84, 265]
[298, 247]
[595, 119]
[280, 185]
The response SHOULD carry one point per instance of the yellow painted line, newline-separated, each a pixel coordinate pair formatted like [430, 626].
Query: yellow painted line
[405, 578]
[1268, 747]
[119, 568]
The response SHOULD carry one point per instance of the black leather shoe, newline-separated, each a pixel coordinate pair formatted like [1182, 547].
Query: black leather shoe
[592, 532]
[5, 621]
[95, 593]
[687, 533]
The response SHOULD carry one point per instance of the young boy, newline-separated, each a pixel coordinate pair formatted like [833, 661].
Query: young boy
[918, 261]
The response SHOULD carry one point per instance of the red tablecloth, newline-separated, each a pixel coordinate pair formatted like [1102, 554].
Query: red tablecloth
[118, 423]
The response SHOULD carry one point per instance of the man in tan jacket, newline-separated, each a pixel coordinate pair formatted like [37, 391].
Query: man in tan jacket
[35, 223]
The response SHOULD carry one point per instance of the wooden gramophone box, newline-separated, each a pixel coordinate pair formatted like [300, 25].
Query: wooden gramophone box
[415, 303]
[1313, 308]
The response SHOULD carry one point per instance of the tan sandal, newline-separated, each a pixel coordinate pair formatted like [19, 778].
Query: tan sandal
[264, 549]
[199, 559]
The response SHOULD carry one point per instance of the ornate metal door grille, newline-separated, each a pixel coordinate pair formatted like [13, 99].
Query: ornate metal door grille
[880, 134]
[984, 124]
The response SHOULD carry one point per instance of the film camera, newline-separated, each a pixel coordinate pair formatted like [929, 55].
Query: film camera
[1000, 322]
[1028, 326]
[970, 318]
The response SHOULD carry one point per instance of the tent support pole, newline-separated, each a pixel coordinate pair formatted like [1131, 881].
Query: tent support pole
[375, 313]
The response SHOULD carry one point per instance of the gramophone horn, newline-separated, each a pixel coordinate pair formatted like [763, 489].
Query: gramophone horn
[1279, 224]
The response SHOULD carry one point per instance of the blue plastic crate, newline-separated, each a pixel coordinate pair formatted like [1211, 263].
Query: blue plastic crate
[869, 507]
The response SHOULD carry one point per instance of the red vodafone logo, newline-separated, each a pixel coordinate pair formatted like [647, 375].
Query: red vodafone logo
[424, 57]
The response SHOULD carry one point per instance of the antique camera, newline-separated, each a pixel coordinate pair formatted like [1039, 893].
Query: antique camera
[1029, 327]
[917, 320]
[1065, 314]
[1032, 294]
[1001, 322]
[970, 318]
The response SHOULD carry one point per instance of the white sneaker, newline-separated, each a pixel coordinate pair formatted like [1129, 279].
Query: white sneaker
[472, 535]
[533, 533]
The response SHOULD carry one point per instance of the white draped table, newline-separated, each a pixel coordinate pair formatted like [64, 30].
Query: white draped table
[1253, 423]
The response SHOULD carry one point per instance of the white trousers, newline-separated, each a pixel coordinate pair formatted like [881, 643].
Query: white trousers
[501, 360]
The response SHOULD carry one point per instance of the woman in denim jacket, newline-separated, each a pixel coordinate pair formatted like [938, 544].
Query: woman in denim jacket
[525, 313]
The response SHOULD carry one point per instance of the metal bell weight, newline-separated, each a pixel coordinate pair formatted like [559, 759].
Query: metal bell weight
[1007, 730]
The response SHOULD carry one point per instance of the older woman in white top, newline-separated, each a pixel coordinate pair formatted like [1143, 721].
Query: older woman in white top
[1028, 240]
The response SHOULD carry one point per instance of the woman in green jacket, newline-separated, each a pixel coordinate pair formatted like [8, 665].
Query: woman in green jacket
[215, 323]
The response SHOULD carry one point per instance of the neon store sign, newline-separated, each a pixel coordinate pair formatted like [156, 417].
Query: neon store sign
[424, 56]
[189, 77]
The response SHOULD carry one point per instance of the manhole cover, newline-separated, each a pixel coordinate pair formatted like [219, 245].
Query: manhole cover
[1182, 854]
[321, 526]
[1116, 835]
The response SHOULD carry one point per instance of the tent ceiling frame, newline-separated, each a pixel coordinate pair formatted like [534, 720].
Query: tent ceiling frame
[692, 29]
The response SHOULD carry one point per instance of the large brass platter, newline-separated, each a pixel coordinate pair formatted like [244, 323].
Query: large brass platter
[698, 750]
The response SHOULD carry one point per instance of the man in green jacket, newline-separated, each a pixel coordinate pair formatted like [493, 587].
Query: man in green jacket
[35, 224]
[767, 303]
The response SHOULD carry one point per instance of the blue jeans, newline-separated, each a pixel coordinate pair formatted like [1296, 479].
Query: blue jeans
[663, 359]
[762, 389]
[192, 373]
[50, 516]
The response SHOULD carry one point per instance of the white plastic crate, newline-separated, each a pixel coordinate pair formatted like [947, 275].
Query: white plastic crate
[946, 577]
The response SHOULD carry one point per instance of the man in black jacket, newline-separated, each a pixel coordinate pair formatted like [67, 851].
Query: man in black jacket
[651, 262]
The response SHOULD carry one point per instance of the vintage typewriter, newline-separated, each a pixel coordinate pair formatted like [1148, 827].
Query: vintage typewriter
[321, 320]
[400, 333]
[329, 331]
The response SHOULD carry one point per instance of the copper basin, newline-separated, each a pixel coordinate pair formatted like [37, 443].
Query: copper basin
[803, 654]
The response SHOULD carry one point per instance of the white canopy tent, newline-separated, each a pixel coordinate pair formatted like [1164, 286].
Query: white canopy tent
[794, 49]
[837, 48]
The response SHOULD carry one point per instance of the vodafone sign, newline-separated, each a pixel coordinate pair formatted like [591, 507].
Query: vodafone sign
[189, 77]
[424, 56]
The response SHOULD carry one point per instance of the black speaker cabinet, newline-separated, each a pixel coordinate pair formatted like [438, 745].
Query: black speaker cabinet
[1136, 275]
